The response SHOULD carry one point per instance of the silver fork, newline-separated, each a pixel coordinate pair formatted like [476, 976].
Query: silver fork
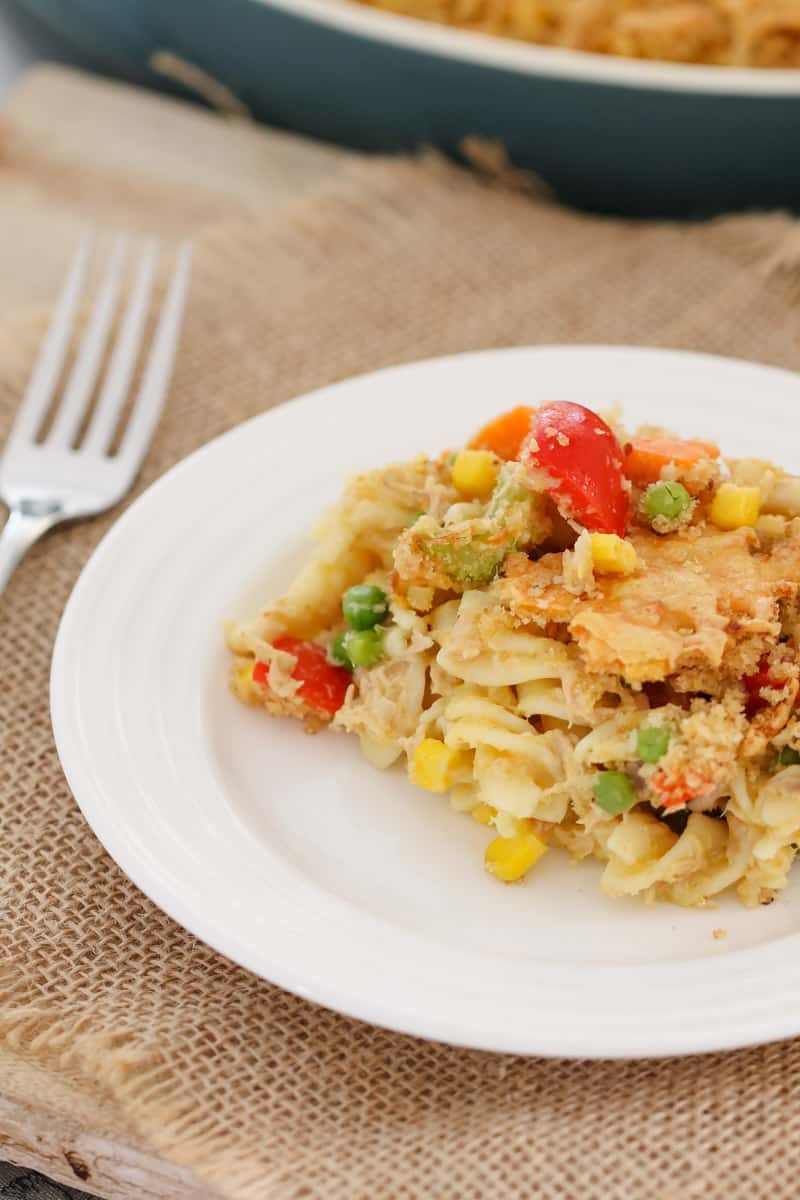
[43, 483]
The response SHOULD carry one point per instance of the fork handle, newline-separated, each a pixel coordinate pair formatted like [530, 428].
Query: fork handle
[19, 533]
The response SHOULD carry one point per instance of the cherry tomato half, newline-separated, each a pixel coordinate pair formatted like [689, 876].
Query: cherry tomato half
[582, 465]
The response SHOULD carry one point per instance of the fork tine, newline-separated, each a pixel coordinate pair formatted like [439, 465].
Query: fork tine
[150, 399]
[123, 360]
[41, 387]
[84, 374]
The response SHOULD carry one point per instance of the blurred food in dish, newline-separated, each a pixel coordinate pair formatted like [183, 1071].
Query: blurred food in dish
[607, 133]
[744, 33]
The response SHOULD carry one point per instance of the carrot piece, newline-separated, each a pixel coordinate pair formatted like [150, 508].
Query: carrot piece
[505, 435]
[644, 457]
[674, 791]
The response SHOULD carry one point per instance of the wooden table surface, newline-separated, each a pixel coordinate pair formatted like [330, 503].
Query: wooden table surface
[236, 170]
[76, 1143]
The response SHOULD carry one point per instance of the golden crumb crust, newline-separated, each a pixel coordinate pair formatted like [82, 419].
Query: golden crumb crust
[752, 33]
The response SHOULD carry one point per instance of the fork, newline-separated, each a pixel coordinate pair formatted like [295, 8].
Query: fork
[48, 481]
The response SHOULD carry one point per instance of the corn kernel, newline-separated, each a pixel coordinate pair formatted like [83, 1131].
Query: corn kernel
[735, 506]
[484, 813]
[435, 766]
[474, 473]
[510, 858]
[613, 555]
[771, 525]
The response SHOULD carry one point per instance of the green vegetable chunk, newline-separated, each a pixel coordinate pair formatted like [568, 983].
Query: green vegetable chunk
[339, 654]
[614, 792]
[664, 499]
[364, 606]
[652, 743]
[471, 552]
[469, 564]
[364, 647]
[786, 757]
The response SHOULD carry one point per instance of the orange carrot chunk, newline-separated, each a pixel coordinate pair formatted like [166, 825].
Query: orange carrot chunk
[644, 457]
[505, 435]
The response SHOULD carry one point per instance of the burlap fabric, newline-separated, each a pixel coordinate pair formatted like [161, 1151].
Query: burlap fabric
[264, 1096]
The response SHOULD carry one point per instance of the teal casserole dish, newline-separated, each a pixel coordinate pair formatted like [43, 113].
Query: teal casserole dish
[607, 134]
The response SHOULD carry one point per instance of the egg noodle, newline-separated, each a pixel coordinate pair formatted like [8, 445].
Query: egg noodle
[748, 33]
[588, 639]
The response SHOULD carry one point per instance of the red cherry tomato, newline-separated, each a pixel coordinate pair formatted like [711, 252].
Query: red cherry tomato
[754, 683]
[582, 465]
[323, 686]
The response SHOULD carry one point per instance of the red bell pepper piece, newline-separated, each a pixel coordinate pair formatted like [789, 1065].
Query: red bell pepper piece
[323, 686]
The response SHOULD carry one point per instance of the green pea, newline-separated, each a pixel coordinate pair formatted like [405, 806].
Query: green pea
[652, 743]
[364, 606]
[614, 792]
[339, 654]
[786, 757]
[665, 500]
[364, 647]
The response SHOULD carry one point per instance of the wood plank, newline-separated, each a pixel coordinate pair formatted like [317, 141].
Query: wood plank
[51, 1124]
[112, 1168]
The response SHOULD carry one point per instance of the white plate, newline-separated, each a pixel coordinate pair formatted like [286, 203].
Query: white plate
[293, 856]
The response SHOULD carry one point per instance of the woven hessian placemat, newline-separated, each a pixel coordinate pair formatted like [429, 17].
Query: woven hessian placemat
[261, 1094]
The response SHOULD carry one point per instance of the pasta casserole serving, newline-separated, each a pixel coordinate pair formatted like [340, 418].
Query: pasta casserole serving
[588, 638]
[751, 33]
